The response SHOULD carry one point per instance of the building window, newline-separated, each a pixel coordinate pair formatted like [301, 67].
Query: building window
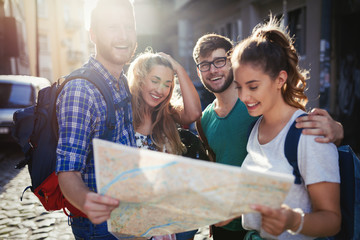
[297, 27]
[43, 44]
[66, 14]
[296, 22]
[42, 9]
[232, 30]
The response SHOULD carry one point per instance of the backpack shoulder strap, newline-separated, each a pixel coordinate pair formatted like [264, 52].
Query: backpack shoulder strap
[96, 79]
[291, 149]
[200, 130]
[349, 166]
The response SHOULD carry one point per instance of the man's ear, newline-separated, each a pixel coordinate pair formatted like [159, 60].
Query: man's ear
[198, 72]
[282, 78]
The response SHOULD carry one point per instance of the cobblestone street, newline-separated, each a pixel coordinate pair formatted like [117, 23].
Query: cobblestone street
[27, 219]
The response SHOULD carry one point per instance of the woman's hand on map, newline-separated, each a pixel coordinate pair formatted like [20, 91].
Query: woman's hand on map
[276, 220]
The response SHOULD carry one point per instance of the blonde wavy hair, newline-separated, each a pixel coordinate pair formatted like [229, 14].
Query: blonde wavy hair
[271, 48]
[163, 124]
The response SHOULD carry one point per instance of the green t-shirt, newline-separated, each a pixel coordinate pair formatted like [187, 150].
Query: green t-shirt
[228, 136]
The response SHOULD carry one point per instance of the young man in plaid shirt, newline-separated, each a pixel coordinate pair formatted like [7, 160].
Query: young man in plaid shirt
[81, 113]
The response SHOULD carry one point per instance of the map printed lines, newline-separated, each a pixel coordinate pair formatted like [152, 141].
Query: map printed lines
[155, 227]
[133, 173]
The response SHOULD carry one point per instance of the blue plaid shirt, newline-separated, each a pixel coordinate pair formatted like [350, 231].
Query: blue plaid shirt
[81, 113]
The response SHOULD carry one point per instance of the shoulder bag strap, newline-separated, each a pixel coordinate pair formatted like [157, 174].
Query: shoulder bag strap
[203, 138]
[291, 149]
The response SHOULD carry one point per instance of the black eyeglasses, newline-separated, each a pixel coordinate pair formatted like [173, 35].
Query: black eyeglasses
[218, 63]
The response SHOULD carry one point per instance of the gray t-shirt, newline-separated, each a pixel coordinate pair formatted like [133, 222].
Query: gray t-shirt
[318, 162]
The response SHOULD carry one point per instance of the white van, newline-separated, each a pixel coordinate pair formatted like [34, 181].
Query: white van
[17, 91]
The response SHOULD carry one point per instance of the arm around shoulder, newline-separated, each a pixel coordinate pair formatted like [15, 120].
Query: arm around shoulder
[319, 122]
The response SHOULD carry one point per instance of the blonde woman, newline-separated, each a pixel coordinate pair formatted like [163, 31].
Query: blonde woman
[157, 109]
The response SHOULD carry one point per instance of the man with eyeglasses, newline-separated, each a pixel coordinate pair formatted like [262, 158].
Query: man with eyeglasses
[226, 121]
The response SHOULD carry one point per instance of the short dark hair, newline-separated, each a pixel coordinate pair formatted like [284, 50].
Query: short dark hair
[101, 5]
[210, 42]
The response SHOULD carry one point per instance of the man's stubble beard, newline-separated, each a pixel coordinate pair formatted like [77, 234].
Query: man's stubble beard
[107, 54]
[226, 85]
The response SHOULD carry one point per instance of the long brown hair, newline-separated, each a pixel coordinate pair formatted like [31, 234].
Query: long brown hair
[163, 124]
[271, 48]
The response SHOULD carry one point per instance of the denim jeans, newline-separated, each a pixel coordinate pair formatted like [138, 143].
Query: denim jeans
[186, 235]
[83, 228]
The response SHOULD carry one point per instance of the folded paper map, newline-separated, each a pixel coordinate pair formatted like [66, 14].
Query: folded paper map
[163, 193]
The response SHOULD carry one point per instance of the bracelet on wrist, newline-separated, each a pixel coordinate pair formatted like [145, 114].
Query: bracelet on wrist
[302, 214]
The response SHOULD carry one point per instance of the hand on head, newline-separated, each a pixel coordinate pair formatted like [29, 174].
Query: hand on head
[173, 62]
